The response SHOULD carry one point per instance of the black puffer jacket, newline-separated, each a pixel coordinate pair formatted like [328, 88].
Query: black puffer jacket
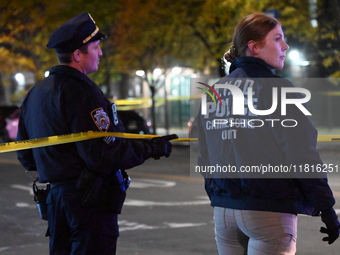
[274, 140]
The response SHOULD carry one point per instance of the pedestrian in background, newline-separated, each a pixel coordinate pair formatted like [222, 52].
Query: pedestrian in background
[259, 215]
[87, 179]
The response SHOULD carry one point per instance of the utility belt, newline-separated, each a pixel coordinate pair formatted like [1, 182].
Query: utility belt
[106, 193]
[68, 182]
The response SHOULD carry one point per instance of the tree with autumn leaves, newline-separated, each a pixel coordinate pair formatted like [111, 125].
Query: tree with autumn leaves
[145, 34]
[197, 32]
[25, 27]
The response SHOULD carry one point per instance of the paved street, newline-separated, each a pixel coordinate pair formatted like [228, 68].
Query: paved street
[166, 212]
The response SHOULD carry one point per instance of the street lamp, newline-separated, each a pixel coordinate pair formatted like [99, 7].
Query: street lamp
[20, 78]
[176, 70]
[140, 73]
[157, 72]
[294, 55]
[297, 59]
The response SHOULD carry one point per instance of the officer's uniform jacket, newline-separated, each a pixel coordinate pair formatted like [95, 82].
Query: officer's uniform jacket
[66, 102]
[272, 144]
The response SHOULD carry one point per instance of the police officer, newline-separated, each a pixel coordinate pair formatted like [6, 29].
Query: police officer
[87, 178]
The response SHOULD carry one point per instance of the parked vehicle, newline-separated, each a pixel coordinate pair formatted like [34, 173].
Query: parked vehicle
[12, 125]
[5, 116]
[134, 122]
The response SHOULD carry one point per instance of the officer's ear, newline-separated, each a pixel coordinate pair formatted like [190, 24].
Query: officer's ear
[76, 55]
[252, 47]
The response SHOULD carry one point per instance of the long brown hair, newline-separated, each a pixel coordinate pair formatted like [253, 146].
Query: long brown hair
[253, 27]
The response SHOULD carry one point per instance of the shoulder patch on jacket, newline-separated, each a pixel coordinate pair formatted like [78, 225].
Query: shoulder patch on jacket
[101, 119]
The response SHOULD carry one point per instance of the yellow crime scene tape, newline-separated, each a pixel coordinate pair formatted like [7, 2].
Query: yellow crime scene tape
[70, 138]
[82, 136]
[328, 138]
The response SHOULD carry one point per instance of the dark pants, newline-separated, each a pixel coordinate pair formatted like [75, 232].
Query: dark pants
[76, 230]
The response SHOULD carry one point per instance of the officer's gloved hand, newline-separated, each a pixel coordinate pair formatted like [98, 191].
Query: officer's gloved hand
[332, 228]
[161, 146]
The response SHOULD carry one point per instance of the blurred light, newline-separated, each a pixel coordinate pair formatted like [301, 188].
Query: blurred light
[304, 63]
[174, 92]
[157, 72]
[20, 78]
[314, 23]
[294, 55]
[176, 81]
[176, 70]
[47, 73]
[140, 73]
[298, 59]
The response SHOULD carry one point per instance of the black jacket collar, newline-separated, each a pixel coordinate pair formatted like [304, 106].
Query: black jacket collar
[70, 71]
[250, 62]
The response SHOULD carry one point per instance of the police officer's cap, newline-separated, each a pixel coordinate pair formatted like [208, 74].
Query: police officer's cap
[75, 33]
